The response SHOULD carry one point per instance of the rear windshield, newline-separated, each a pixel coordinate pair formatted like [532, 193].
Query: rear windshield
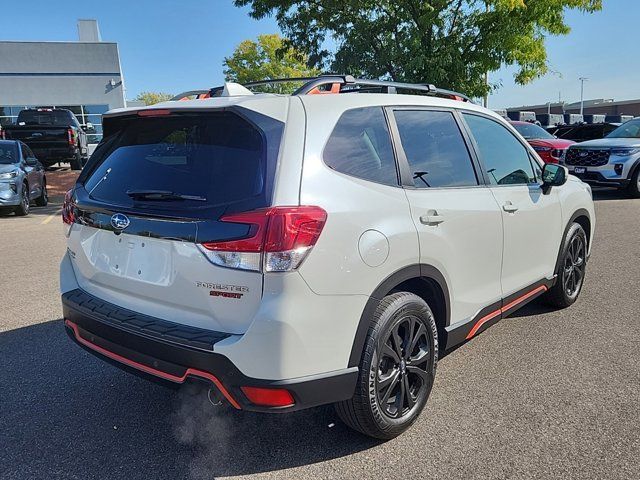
[531, 131]
[54, 117]
[185, 161]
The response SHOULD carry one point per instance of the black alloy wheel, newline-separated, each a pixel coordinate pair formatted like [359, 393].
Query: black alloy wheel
[571, 270]
[396, 370]
[23, 208]
[402, 368]
[43, 199]
[574, 266]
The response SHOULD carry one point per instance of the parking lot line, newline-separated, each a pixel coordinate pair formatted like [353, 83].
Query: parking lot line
[50, 217]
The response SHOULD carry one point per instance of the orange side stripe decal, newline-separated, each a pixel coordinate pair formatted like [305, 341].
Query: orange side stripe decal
[509, 306]
[152, 371]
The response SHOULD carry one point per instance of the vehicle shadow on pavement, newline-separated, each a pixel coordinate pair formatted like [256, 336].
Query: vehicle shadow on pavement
[66, 414]
[600, 194]
[536, 307]
[52, 208]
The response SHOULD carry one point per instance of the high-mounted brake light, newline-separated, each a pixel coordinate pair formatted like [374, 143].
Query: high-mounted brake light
[158, 112]
[279, 239]
[68, 211]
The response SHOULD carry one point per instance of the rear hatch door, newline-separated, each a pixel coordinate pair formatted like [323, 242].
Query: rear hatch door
[153, 193]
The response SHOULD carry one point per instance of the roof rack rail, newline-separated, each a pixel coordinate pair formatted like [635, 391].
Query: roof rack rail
[327, 84]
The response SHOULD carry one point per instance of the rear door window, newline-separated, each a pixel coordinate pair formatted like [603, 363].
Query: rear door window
[185, 161]
[360, 146]
[435, 149]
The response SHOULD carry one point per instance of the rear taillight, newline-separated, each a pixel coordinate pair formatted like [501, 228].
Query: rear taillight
[68, 211]
[71, 136]
[279, 239]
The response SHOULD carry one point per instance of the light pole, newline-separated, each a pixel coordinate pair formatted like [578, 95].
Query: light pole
[582, 80]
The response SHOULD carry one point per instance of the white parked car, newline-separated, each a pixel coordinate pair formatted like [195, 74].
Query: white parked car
[315, 248]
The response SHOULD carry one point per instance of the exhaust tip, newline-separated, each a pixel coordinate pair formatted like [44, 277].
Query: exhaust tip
[214, 397]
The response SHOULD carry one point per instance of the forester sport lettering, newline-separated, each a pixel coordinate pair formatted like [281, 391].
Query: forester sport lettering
[294, 251]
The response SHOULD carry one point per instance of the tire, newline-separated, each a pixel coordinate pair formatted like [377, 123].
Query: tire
[43, 199]
[76, 162]
[572, 269]
[23, 209]
[634, 185]
[378, 408]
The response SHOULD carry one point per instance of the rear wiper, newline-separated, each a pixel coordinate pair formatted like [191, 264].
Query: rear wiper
[163, 195]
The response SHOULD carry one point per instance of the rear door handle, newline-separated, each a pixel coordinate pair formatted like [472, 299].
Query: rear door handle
[509, 207]
[431, 218]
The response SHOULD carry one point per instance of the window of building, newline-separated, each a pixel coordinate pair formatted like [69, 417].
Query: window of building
[435, 149]
[360, 146]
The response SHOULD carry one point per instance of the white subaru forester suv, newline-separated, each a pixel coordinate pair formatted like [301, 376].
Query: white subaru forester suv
[321, 247]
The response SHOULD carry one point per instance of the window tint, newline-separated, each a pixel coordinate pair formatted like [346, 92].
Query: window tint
[435, 149]
[505, 158]
[631, 129]
[531, 130]
[53, 117]
[360, 146]
[219, 158]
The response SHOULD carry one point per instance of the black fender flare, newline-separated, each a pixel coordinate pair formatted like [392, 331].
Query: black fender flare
[581, 212]
[407, 273]
[634, 169]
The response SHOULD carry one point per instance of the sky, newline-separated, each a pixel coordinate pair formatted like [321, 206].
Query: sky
[178, 45]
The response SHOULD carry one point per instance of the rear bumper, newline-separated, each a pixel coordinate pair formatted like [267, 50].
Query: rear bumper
[53, 154]
[153, 352]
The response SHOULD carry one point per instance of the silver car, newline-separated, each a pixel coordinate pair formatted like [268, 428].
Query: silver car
[22, 178]
[612, 161]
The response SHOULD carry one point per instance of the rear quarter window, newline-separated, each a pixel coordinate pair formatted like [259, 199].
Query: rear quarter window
[360, 146]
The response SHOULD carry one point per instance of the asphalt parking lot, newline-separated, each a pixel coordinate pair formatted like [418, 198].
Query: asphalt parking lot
[542, 394]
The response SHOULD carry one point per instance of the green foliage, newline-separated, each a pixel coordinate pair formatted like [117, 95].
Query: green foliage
[151, 98]
[265, 59]
[450, 43]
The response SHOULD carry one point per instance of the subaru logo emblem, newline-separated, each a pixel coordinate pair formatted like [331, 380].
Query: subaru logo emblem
[119, 221]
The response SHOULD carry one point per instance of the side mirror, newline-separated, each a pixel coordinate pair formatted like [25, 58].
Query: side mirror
[32, 162]
[553, 175]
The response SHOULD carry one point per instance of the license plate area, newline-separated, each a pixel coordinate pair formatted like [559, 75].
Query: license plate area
[580, 170]
[137, 258]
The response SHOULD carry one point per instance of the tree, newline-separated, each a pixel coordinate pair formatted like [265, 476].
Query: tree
[267, 58]
[450, 43]
[151, 98]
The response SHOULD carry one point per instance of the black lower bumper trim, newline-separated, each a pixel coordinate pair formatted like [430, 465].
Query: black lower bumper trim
[172, 363]
[596, 178]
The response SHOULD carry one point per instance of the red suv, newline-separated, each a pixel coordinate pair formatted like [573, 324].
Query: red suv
[550, 148]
